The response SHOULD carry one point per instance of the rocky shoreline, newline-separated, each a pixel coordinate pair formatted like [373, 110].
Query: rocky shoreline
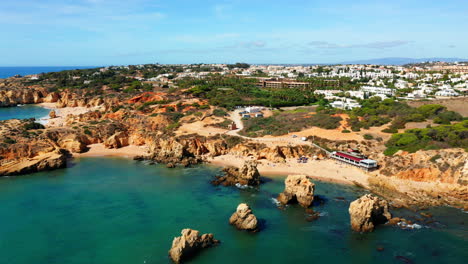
[433, 177]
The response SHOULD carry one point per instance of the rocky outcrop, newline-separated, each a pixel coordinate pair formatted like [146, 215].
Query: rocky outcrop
[243, 218]
[298, 189]
[75, 143]
[118, 140]
[52, 114]
[445, 166]
[246, 175]
[368, 212]
[189, 244]
[47, 161]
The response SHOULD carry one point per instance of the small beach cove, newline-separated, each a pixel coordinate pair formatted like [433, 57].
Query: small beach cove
[116, 210]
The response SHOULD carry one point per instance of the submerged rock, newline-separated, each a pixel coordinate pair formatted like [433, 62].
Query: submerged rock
[189, 244]
[243, 218]
[246, 175]
[298, 189]
[367, 212]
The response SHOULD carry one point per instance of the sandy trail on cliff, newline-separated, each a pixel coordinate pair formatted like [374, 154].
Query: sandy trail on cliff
[98, 150]
[327, 170]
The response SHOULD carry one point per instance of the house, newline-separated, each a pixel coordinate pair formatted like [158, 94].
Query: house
[345, 104]
[447, 93]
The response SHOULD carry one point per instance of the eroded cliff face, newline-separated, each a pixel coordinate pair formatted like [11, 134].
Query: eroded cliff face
[445, 166]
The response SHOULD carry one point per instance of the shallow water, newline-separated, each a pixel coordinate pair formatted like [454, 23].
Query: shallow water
[112, 210]
[24, 111]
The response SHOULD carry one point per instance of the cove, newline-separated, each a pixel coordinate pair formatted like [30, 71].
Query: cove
[116, 211]
[23, 112]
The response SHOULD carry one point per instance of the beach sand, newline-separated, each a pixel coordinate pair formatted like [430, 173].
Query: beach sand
[326, 170]
[98, 150]
[62, 113]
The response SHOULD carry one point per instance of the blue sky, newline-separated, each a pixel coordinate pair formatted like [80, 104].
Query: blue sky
[112, 32]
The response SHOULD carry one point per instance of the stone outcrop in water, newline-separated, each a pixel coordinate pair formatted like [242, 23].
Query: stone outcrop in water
[52, 114]
[298, 189]
[368, 212]
[189, 244]
[246, 175]
[243, 218]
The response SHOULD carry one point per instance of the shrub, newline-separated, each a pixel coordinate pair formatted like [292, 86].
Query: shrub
[33, 125]
[8, 140]
[345, 131]
[368, 137]
[435, 158]
[219, 112]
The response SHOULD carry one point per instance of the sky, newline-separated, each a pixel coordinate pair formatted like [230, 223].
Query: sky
[116, 32]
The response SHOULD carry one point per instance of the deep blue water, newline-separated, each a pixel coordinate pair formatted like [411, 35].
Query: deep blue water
[23, 112]
[119, 211]
[6, 72]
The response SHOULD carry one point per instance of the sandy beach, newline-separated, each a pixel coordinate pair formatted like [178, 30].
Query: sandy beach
[98, 150]
[62, 113]
[326, 170]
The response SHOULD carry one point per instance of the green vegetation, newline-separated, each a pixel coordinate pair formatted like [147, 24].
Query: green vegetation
[368, 136]
[229, 92]
[283, 122]
[444, 136]
[8, 140]
[32, 125]
[375, 112]
[219, 112]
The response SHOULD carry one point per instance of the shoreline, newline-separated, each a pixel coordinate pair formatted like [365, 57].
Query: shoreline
[98, 150]
[323, 170]
[62, 113]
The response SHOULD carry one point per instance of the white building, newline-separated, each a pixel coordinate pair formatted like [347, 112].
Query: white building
[378, 90]
[447, 93]
[345, 103]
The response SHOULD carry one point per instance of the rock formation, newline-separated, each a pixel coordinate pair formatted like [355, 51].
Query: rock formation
[52, 114]
[367, 212]
[243, 218]
[298, 189]
[118, 140]
[246, 175]
[189, 244]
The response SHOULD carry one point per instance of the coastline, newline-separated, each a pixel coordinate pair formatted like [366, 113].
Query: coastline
[324, 170]
[62, 113]
[98, 150]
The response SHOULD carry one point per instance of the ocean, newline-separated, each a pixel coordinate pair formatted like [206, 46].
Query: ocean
[6, 72]
[23, 112]
[120, 211]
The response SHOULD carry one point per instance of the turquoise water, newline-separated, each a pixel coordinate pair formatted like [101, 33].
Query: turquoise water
[22, 112]
[112, 210]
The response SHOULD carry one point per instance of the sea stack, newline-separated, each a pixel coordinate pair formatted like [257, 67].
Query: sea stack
[298, 189]
[367, 212]
[246, 175]
[189, 243]
[52, 114]
[243, 218]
